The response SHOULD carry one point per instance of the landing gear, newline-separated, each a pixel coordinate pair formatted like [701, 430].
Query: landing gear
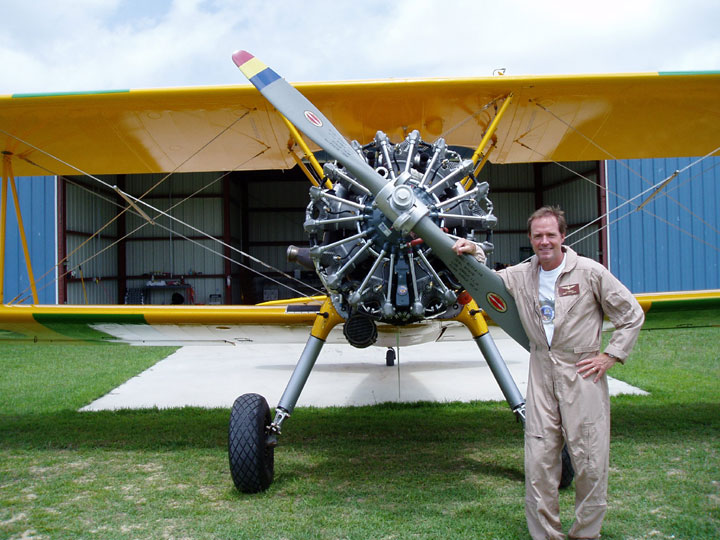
[251, 453]
[390, 357]
[253, 434]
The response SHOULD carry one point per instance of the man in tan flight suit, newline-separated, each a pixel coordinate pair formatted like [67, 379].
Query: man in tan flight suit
[561, 298]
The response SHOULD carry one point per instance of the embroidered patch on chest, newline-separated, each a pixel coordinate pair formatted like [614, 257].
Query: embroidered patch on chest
[569, 290]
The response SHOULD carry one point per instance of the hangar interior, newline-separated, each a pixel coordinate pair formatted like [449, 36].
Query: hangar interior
[198, 259]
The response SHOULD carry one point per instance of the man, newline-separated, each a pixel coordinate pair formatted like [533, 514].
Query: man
[561, 298]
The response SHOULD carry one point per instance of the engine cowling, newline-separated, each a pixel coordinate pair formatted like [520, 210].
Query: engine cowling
[375, 271]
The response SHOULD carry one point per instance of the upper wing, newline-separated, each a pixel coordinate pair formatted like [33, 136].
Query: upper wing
[561, 118]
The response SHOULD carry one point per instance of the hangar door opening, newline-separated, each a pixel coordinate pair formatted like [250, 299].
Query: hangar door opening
[227, 240]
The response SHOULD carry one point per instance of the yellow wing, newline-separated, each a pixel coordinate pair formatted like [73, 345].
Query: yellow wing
[557, 118]
[283, 321]
[287, 321]
[233, 128]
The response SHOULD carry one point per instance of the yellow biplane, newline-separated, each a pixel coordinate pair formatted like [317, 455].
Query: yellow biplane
[382, 213]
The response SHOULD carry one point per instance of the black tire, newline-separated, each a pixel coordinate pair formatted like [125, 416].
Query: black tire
[252, 460]
[568, 473]
[390, 357]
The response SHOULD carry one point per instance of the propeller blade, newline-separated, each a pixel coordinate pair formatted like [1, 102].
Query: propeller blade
[486, 287]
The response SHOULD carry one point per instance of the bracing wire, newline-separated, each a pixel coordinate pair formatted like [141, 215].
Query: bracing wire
[653, 187]
[159, 212]
[626, 166]
[199, 244]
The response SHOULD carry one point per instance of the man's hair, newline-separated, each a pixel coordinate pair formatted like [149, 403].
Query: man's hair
[549, 211]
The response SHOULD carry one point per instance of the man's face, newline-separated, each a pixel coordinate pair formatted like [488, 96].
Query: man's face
[546, 240]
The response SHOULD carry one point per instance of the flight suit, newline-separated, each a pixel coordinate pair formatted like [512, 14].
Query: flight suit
[561, 404]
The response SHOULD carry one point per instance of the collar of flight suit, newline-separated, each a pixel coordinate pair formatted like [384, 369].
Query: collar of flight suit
[571, 259]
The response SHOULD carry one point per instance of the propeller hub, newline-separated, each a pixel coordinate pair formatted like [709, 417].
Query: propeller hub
[403, 198]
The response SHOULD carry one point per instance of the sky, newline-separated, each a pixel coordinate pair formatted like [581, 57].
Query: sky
[76, 45]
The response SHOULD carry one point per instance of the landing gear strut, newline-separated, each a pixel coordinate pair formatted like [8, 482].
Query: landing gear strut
[252, 435]
[478, 327]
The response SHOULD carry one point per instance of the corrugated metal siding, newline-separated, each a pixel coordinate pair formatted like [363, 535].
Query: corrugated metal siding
[91, 262]
[176, 184]
[510, 240]
[283, 226]
[512, 209]
[520, 176]
[177, 257]
[572, 187]
[203, 214]
[89, 210]
[578, 197]
[38, 205]
[170, 250]
[673, 243]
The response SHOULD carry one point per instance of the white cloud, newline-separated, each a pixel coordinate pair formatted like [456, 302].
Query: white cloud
[89, 44]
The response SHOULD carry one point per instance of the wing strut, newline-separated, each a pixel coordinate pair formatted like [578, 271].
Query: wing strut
[478, 155]
[9, 178]
[308, 154]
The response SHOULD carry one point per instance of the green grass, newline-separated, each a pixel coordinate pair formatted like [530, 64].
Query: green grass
[389, 471]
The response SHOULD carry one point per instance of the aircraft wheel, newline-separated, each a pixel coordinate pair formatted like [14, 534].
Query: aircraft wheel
[390, 357]
[568, 473]
[252, 460]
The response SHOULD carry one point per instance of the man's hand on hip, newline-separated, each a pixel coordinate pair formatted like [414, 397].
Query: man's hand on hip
[597, 365]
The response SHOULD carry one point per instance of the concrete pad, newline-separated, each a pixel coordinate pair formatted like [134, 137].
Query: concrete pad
[343, 376]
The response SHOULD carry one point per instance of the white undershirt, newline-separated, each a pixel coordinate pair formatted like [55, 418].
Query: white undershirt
[546, 294]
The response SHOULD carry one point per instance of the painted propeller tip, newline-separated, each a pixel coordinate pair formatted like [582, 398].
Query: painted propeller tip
[240, 57]
[256, 72]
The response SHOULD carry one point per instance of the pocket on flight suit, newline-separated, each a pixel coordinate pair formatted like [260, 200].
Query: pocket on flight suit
[535, 461]
[586, 349]
[591, 448]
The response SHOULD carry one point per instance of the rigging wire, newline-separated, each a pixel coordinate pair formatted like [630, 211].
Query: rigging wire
[622, 162]
[628, 201]
[196, 242]
[159, 212]
[470, 116]
[656, 187]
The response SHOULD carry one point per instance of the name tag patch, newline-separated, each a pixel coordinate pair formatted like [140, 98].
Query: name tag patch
[569, 290]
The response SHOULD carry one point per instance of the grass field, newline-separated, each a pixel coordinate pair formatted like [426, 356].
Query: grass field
[388, 471]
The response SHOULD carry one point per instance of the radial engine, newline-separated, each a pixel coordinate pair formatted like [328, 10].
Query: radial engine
[375, 273]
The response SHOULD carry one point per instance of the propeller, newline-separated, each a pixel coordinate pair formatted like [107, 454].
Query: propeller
[393, 196]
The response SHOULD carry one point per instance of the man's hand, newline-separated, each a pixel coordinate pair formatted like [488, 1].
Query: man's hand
[597, 365]
[463, 245]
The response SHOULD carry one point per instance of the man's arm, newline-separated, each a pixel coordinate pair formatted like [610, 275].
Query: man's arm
[627, 316]
[624, 312]
[463, 245]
